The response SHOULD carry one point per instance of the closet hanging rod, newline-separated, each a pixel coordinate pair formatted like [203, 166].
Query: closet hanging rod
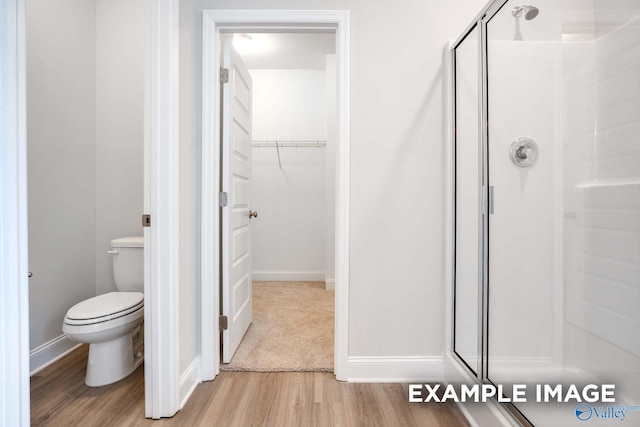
[289, 143]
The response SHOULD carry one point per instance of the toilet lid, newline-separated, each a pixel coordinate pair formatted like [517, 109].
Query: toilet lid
[105, 307]
[128, 242]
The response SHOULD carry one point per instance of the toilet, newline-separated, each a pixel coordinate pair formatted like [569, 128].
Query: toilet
[111, 323]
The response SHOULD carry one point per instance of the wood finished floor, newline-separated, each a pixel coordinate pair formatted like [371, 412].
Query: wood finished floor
[59, 397]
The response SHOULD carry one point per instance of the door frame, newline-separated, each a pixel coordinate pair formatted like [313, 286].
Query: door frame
[161, 201]
[162, 377]
[14, 282]
[214, 23]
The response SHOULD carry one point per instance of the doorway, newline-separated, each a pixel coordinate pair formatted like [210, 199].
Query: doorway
[278, 227]
[85, 81]
[160, 146]
[216, 24]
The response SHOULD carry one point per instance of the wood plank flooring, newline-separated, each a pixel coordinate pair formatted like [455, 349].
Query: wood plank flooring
[59, 397]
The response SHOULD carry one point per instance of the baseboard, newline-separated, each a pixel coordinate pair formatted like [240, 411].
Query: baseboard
[50, 352]
[330, 284]
[189, 380]
[287, 276]
[403, 369]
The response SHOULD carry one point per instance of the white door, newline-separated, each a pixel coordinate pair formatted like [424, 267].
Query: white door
[236, 182]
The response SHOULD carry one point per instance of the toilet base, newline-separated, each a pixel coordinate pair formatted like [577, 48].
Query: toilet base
[111, 361]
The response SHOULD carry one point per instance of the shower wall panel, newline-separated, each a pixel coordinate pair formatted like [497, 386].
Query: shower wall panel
[603, 206]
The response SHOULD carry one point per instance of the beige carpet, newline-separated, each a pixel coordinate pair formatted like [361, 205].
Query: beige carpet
[292, 329]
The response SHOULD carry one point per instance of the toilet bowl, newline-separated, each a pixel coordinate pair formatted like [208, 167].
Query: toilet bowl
[107, 322]
[110, 323]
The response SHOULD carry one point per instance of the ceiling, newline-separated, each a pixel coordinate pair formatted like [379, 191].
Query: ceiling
[285, 50]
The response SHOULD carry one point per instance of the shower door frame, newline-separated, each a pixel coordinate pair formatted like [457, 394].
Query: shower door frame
[474, 25]
[482, 376]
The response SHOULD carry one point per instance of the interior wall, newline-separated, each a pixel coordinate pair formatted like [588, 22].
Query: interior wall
[398, 140]
[61, 95]
[119, 136]
[288, 237]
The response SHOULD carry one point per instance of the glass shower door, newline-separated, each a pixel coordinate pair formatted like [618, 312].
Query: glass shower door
[468, 199]
[564, 167]
[525, 246]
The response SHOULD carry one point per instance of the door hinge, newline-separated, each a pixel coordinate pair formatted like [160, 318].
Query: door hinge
[223, 322]
[146, 220]
[491, 200]
[224, 199]
[224, 75]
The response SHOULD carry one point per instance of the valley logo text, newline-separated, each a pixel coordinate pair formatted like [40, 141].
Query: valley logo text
[516, 393]
[585, 412]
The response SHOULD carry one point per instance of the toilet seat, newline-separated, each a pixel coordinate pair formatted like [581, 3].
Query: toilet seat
[104, 308]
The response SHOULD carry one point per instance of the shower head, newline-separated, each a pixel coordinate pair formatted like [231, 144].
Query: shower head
[529, 12]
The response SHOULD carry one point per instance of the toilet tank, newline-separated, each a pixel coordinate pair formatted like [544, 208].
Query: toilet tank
[128, 263]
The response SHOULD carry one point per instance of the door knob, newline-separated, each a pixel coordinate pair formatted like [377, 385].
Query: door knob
[253, 214]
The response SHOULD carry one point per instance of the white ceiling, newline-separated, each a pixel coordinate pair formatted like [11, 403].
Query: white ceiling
[285, 50]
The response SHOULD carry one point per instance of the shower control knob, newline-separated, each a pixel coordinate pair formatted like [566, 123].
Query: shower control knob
[524, 152]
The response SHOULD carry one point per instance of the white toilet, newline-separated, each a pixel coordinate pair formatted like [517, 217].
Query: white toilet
[110, 323]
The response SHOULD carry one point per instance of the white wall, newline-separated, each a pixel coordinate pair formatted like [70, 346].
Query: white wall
[119, 128]
[291, 104]
[61, 160]
[85, 146]
[398, 137]
[288, 237]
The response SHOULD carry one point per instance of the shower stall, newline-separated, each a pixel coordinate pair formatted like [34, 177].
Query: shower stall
[546, 201]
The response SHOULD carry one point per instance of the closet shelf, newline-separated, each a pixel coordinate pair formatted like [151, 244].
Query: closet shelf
[282, 143]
